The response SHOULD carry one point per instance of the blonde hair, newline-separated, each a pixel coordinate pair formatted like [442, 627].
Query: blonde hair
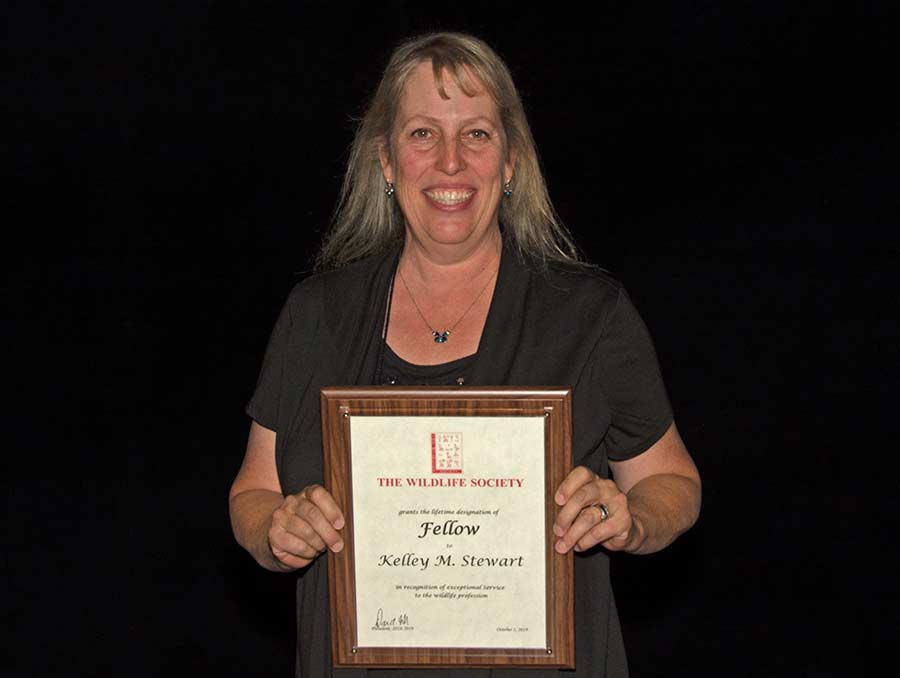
[367, 221]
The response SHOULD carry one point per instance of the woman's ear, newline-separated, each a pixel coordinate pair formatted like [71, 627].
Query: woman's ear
[509, 167]
[384, 157]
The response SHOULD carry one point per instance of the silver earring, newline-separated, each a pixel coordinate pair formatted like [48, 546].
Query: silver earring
[507, 189]
[389, 189]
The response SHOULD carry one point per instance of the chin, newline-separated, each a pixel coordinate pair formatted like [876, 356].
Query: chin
[451, 236]
[454, 232]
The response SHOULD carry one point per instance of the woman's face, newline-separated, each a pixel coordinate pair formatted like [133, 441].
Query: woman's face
[447, 163]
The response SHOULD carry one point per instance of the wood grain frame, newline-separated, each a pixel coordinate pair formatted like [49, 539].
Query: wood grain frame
[339, 404]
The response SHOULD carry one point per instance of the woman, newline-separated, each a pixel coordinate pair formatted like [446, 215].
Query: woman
[419, 283]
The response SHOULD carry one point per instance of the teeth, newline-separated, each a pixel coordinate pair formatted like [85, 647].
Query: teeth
[449, 197]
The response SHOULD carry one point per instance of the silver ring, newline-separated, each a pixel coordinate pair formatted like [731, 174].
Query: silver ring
[604, 512]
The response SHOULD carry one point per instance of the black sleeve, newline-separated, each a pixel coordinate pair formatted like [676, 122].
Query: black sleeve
[626, 370]
[263, 406]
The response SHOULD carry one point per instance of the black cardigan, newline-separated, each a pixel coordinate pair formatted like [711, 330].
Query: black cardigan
[558, 326]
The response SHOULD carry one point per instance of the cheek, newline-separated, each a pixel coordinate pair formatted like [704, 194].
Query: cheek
[411, 163]
[489, 165]
[411, 201]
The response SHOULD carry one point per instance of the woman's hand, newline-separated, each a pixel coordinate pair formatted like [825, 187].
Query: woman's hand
[655, 498]
[282, 533]
[305, 525]
[594, 511]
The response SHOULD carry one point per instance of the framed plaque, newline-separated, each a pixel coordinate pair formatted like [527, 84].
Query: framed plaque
[448, 556]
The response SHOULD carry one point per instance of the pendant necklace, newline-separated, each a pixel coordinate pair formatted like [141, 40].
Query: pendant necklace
[441, 337]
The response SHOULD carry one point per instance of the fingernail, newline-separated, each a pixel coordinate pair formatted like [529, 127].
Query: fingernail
[338, 546]
[338, 524]
[560, 547]
[560, 499]
[558, 531]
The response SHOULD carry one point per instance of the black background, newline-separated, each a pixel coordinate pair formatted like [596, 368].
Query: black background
[169, 170]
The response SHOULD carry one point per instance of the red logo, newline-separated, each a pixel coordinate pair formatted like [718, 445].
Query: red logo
[446, 453]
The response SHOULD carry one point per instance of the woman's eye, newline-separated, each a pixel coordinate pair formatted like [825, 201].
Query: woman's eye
[479, 134]
[420, 134]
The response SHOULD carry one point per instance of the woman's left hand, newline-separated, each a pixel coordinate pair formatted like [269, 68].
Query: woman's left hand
[594, 511]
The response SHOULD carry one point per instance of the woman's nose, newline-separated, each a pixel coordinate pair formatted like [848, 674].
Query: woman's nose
[450, 160]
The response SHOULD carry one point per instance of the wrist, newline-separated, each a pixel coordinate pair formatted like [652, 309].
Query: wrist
[637, 535]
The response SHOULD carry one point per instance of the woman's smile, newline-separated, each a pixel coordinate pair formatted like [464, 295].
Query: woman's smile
[450, 198]
[448, 160]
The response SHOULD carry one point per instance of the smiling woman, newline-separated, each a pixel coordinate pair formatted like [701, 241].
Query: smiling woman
[449, 160]
[446, 160]
[462, 67]
[444, 194]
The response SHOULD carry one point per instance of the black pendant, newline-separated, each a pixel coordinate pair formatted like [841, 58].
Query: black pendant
[440, 337]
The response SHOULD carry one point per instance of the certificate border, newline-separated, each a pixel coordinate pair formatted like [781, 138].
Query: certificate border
[338, 404]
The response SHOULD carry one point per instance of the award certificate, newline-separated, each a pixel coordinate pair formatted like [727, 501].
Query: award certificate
[447, 495]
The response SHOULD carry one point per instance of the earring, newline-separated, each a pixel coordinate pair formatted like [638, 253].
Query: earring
[389, 189]
[507, 189]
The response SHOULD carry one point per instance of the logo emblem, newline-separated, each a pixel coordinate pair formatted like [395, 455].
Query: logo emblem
[446, 453]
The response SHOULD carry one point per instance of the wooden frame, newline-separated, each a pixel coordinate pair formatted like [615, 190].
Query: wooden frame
[339, 405]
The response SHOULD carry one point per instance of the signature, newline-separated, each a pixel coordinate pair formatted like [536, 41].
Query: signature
[382, 623]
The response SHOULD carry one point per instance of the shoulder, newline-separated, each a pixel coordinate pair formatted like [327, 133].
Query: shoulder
[583, 279]
[337, 302]
[319, 288]
[579, 288]
[359, 271]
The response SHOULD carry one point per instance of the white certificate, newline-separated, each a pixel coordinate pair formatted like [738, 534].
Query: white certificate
[447, 495]
[449, 531]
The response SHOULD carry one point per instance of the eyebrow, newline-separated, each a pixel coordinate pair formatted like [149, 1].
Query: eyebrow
[465, 122]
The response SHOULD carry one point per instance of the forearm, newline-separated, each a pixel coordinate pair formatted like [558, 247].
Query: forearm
[251, 516]
[663, 507]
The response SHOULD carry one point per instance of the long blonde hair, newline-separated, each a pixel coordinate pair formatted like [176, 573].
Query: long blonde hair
[367, 221]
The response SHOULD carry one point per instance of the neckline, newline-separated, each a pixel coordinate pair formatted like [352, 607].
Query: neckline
[493, 315]
[400, 371]
[389, 352]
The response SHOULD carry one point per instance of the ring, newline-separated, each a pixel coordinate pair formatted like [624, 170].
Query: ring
[604, 512]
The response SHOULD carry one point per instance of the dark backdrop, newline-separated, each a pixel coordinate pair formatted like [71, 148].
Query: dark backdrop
[170, 169]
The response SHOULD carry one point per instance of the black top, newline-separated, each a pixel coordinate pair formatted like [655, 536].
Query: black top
[398, 371]
[559, 327]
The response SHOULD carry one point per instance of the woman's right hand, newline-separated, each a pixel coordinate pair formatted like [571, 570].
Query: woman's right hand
[305, 525]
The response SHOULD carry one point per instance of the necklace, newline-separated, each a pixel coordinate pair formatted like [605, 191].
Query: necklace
[441, 337]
